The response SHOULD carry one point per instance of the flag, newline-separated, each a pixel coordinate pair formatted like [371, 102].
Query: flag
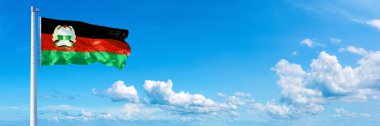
[73, 42]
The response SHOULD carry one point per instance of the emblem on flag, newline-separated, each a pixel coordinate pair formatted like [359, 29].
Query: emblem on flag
[88, 44]
[64, 36]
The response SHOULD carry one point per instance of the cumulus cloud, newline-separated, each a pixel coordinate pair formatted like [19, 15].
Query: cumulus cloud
[293, 85]
[306, 91]
[302, 91]
[161, 93]
[161, 101]
[191, 107]
[326, 80]
[120, 92]
[374, 23]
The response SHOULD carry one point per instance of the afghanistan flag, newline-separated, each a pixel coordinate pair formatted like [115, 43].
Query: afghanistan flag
[73, 42]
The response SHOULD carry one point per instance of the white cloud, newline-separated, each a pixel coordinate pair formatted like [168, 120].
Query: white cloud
[59, 95]
[326, 80]
[133, 112]
[273, 110]
[341, 49]
[369, 68]
[161, 93]
[293, 85]
[87, 115]
[67, 112]
[238, 99]
[242, 94]
[306, 91]
[294, 53]
[136, 111]
[302, 92]
[374, 23]
[129, 112]
[376, 97]
[328, 76]
[139, 111]
[94, 91]
[161, 101]
[120, 92]
[340, 112]
[310, 43]
[335, 41]
[369, 71]
[343, 113]
[355, 50]
[13, 108]
[220, 94]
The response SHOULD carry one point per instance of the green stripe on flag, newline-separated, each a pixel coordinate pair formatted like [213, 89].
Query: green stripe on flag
[49, 57]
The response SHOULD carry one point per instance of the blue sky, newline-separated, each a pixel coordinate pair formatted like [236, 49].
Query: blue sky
[204, 62]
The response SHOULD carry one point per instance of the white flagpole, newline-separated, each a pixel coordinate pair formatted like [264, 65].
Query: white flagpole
[33, 85]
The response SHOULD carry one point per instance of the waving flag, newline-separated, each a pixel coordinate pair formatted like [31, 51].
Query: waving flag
[73, 42]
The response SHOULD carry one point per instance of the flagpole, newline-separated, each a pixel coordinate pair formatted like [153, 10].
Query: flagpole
[33, 85]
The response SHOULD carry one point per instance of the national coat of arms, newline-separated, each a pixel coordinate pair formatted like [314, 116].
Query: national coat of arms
[64, 36]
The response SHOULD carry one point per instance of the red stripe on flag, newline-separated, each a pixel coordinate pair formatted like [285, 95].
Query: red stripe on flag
[84, 44]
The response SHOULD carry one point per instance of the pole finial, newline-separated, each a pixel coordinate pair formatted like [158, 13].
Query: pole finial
[34, 9]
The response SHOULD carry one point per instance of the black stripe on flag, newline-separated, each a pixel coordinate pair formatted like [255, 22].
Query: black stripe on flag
[83, 29]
